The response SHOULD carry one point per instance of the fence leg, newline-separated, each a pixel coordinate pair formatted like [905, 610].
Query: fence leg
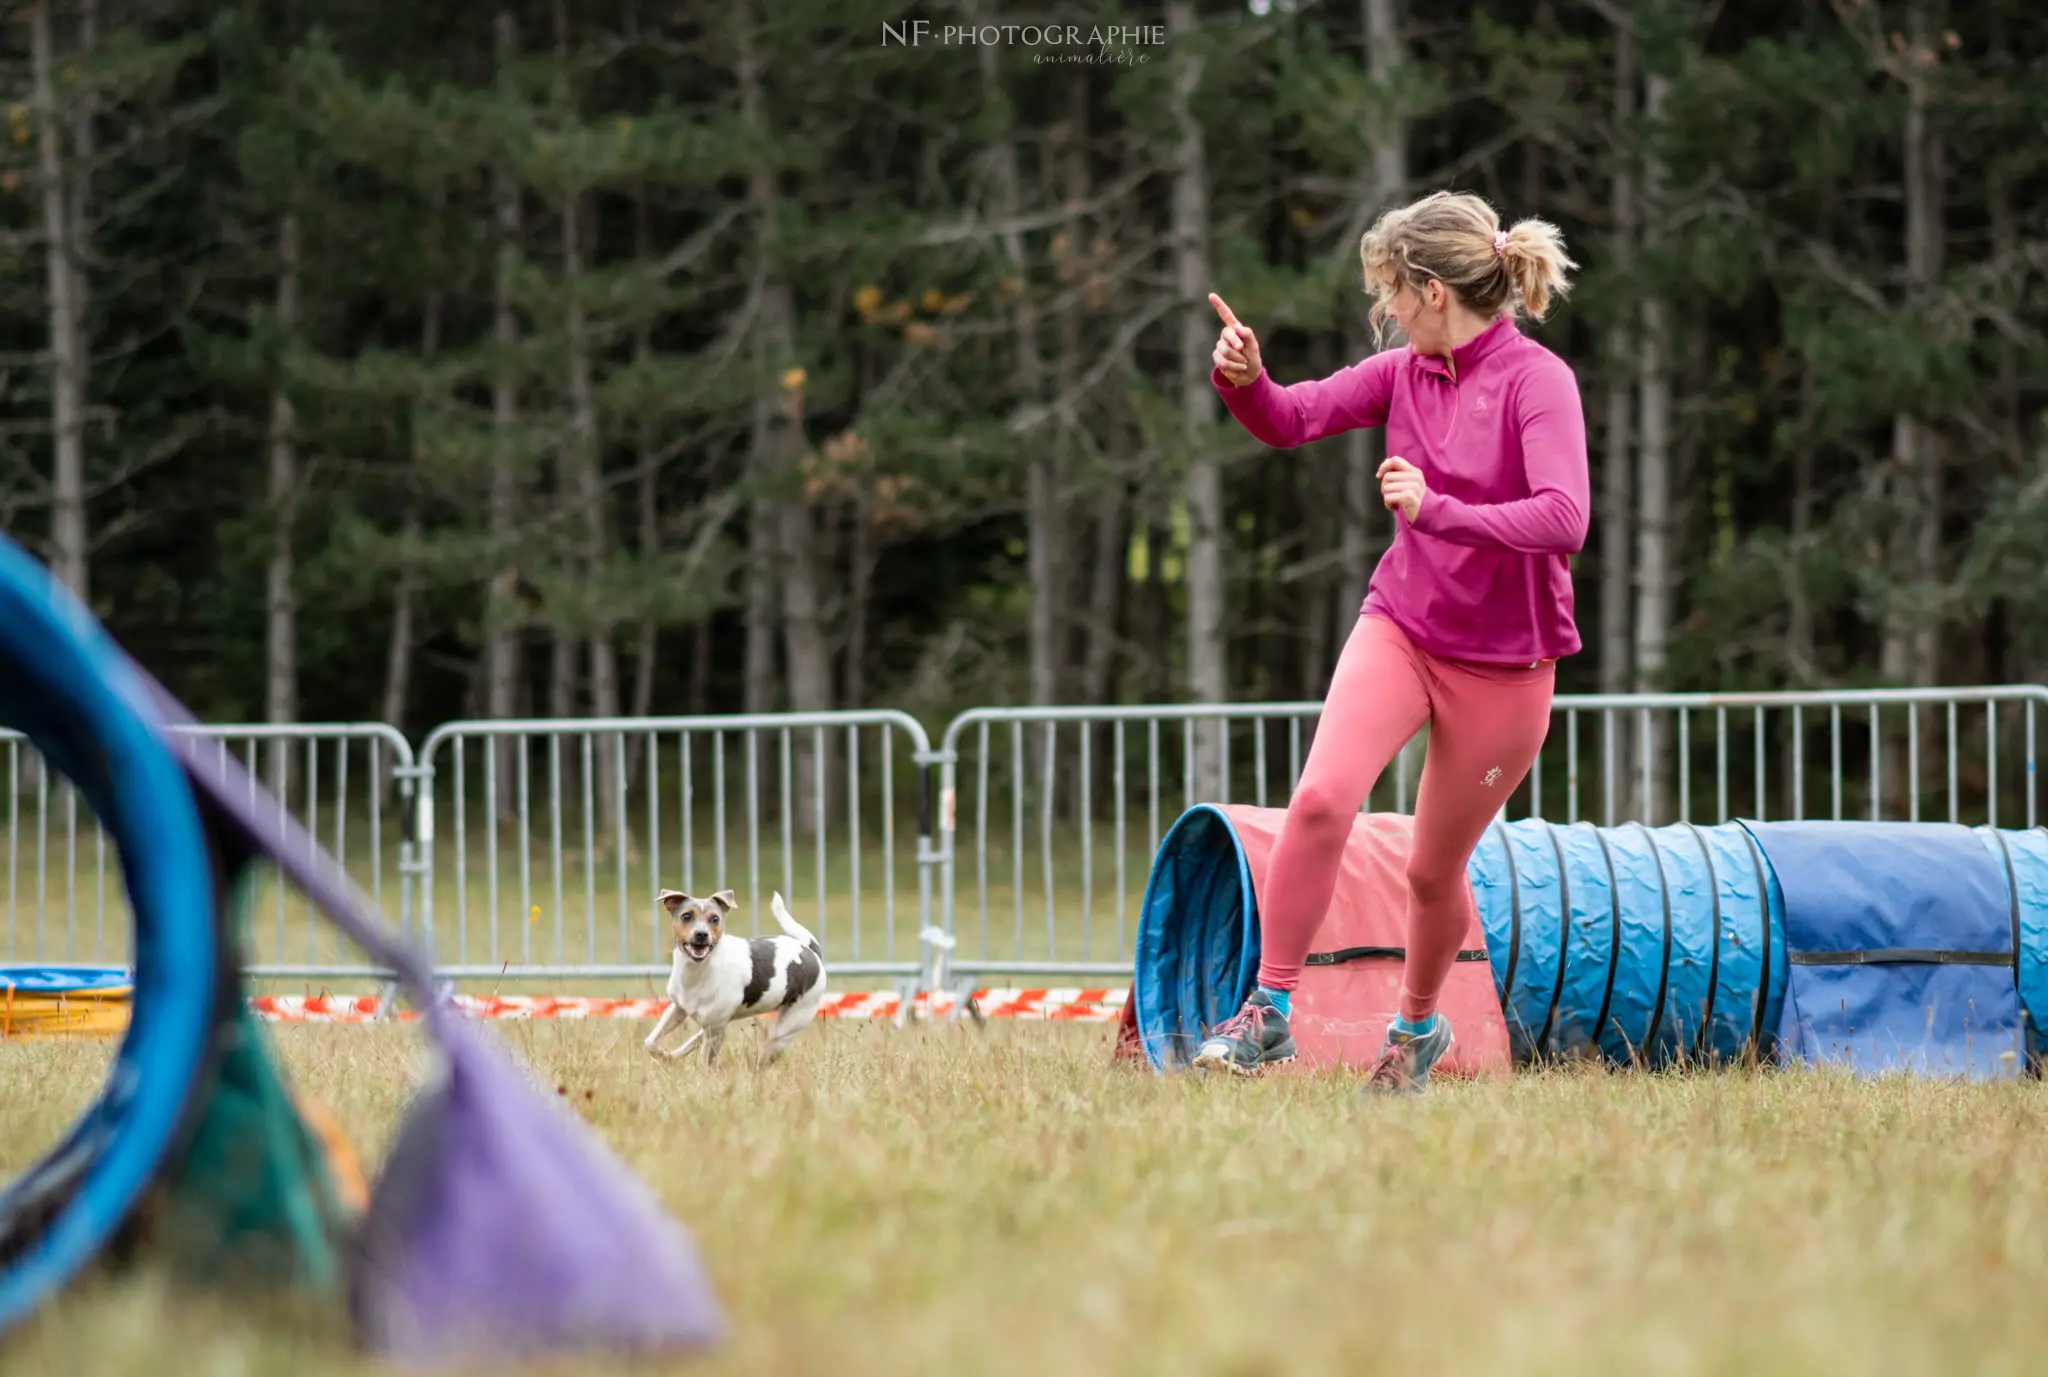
[934, 942]
[964, 1002]
[907, 991]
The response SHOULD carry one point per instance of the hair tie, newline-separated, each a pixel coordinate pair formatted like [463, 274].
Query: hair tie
[1500, 243]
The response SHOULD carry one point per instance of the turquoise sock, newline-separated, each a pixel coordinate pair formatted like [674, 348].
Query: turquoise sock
[1402, 1025]
[1281, 999]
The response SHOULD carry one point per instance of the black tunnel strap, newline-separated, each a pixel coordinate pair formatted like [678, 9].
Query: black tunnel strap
[1901, 956]
[1346, 954]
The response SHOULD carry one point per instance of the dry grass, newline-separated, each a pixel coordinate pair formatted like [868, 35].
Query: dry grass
[949, 1201]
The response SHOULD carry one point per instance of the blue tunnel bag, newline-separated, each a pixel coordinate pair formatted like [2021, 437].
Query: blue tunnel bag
[1902, 947]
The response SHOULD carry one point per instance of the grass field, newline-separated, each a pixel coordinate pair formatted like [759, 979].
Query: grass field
[952, 1201]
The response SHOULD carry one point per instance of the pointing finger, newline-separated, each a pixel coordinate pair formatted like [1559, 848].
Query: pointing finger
[1222, 309]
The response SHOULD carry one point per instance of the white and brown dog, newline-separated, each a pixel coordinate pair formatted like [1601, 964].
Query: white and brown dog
[714, 979]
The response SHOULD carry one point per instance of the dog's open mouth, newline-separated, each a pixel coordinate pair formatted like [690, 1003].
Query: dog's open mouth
[696, 951]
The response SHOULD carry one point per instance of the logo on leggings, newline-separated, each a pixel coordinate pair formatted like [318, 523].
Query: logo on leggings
[1492, 777]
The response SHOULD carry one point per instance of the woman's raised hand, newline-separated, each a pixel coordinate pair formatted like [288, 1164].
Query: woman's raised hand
[1237, 348]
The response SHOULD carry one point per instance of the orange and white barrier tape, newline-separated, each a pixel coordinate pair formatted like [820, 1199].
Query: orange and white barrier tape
[1061, 1004]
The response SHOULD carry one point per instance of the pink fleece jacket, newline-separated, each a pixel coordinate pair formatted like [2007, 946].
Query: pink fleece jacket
[1484, 573]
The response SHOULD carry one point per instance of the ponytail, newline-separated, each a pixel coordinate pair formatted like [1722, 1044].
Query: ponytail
[1533, 252]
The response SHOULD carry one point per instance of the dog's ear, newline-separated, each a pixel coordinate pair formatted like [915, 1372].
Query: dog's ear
[673, 900]
[726, 900]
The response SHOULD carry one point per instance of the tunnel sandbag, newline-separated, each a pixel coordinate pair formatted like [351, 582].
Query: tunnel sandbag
[1901, 946]
[1633, 944]
[1198, 947]
[2023, 859]
[69, 689]
[253, 1193]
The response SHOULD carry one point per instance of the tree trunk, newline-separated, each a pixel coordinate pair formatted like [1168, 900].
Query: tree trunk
[78, 211]
[763, 609]
[1916, 447]
[587, 486]
[1364, 519]
[1207, 671]
[1653, 489]
[398, 650]
[1617, 517]
[281, 696]
[1100, 580]
[700, 667]
[1105, 589]
[779, 444]
[398, 653]
[1913, 618]
[860, 576]
[70, 351]
[1616, 514]
[1047, 568]
[1800, 659]
[803, 627]
[503, 641]
[647, 529]
[1155, 602]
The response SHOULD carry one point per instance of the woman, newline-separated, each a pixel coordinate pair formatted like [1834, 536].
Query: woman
[1468, 611]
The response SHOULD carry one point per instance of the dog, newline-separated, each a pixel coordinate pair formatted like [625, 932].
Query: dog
[714, 979]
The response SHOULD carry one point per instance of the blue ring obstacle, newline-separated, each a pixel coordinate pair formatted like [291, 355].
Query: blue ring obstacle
[66, 685]
[1638, 945]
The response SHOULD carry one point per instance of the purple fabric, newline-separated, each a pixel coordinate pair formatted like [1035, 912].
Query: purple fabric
[500, 1225]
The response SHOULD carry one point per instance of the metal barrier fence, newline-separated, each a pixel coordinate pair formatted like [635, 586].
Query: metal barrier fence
[552, 839]
[537, 848]
[1075, 798]
[350, 783]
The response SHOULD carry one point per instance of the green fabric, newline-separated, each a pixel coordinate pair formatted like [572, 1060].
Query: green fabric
[250, 1196]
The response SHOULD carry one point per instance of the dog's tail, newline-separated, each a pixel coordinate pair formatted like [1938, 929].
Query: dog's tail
[791, 925]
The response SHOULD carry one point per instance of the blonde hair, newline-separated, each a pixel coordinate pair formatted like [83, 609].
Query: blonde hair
[1456, 238]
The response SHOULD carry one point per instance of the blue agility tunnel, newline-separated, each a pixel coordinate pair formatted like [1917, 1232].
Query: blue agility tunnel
[1871, 946]
[1631, 943]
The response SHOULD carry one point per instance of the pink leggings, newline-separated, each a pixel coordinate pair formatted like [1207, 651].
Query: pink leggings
[1486, 724]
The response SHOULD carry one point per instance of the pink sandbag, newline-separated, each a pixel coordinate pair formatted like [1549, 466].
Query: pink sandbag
[1351, 989]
